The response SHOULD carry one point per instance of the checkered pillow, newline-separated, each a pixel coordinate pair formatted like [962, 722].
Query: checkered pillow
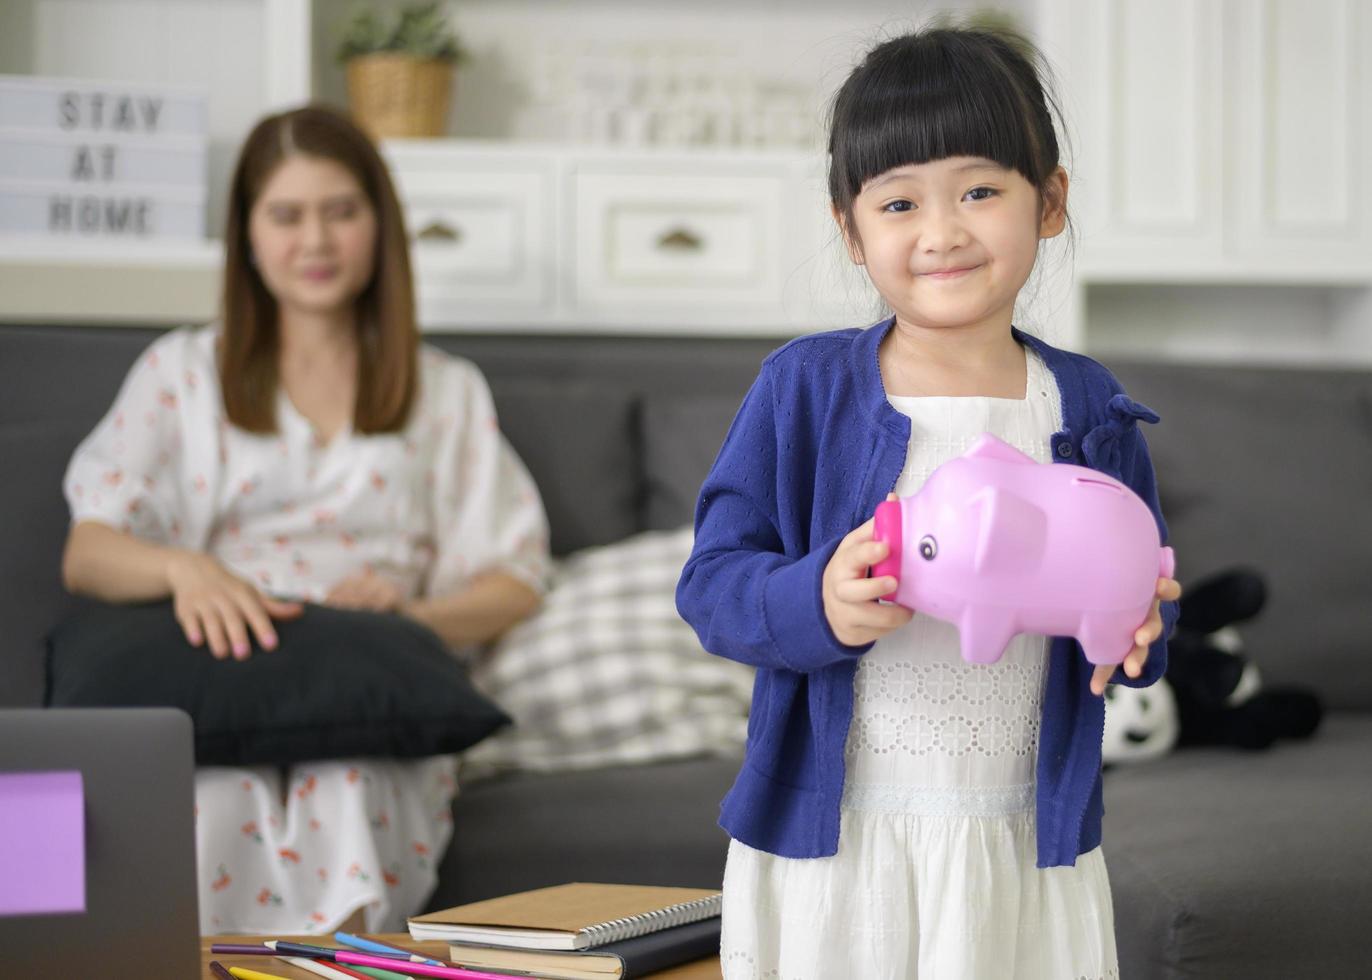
[607, 673]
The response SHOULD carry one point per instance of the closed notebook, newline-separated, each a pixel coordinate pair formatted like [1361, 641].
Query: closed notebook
[575, 916]
[624, 960]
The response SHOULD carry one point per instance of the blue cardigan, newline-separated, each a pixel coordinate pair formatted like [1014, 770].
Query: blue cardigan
[813, 450]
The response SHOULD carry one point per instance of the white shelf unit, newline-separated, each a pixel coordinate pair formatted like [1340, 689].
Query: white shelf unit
[1220, 154]
[1216, 183]
[561, 238]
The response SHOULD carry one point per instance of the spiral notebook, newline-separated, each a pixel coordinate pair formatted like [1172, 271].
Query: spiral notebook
[627, 959]
[574, 916]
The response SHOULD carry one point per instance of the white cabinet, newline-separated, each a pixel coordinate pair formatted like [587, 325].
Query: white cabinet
[482, 230]
[552, 237]
[1141, 85]
[666, 238]
[1301, 151]
[1221, 150]
[1218, 139]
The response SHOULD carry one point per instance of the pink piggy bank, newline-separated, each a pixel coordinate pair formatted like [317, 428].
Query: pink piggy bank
[998, 544]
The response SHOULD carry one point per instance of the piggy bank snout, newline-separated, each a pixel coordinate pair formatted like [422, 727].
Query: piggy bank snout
[887, 526]
[907, 553]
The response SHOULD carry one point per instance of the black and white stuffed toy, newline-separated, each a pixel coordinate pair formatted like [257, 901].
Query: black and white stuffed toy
[1140, 723]
[1220, 696]
[1211, 693]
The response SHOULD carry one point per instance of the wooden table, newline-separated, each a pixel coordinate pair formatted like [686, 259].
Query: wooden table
[700, 970]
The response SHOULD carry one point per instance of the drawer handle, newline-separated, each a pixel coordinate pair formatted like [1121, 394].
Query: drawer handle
[439, 231]
[680, 240]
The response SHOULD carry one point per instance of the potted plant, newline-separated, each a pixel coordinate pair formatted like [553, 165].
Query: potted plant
[400, 70]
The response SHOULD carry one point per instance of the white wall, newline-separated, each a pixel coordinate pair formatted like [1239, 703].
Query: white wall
[212, 43]
[501, 92]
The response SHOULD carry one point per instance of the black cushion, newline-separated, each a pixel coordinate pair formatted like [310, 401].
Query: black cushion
[341, 683]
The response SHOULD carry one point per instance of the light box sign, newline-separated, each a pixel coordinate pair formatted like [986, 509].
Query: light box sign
[94, 160]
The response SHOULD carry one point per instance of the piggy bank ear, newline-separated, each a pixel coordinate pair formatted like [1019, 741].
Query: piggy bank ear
[1011, 532]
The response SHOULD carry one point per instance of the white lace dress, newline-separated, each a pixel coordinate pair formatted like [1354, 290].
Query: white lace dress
[935, 875]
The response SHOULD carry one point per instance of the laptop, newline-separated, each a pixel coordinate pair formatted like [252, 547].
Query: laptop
[137, 770]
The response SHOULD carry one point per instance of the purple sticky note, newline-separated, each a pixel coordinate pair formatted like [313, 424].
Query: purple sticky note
[42, 843]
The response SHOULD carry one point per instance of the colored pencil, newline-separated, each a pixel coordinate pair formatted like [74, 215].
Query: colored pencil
[334, 971]
[357, 972]
[374, 974]
[419, 969]
[237, 949]
[245, 974]
[324, 952]
[373, 946]
[218, 970]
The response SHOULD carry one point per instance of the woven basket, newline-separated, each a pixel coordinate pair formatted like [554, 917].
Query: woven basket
[396, 95]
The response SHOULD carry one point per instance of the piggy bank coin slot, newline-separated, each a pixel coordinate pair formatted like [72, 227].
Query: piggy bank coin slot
[1086, 481]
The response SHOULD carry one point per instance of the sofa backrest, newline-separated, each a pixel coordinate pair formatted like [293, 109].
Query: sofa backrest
[593, 417]
[1271, 469]
[1262, 467]
[574, 408]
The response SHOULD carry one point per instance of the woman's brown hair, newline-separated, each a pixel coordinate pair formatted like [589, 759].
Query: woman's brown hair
[388, 339]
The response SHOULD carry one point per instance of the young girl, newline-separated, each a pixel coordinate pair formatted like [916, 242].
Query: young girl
[308, 448]
[901, 813]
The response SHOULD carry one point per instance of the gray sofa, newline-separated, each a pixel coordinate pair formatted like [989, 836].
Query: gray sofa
[1223, 863]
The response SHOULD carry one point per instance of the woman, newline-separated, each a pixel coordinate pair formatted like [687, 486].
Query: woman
[308, 448]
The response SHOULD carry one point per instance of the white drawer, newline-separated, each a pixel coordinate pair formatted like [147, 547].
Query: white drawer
[107, 212]
[100, 108]
[645, 238]
[478, 236]
[99, 159]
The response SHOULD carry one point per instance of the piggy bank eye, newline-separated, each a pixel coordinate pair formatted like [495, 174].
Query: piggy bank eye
[928, 548]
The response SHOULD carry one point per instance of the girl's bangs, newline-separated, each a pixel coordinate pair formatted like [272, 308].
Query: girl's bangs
[914, 124]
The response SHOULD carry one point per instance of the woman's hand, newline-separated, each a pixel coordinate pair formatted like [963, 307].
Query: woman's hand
[850, 597]
[1168, 590]
[479, 612]
[365, 590]
[213, 604]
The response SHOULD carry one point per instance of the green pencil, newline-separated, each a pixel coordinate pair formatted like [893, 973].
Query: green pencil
[372, 971]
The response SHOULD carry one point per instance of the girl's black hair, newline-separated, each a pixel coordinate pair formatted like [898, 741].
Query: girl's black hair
[939, 93]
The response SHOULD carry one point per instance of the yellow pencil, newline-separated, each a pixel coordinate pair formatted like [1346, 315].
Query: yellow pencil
[243, 974]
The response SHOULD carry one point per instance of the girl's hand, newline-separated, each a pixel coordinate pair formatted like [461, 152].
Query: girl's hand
[1168, 590]
[365, 590]
[211, 603]
[850, 597]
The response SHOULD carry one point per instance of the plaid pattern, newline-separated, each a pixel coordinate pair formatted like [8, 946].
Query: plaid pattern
[607, 673]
